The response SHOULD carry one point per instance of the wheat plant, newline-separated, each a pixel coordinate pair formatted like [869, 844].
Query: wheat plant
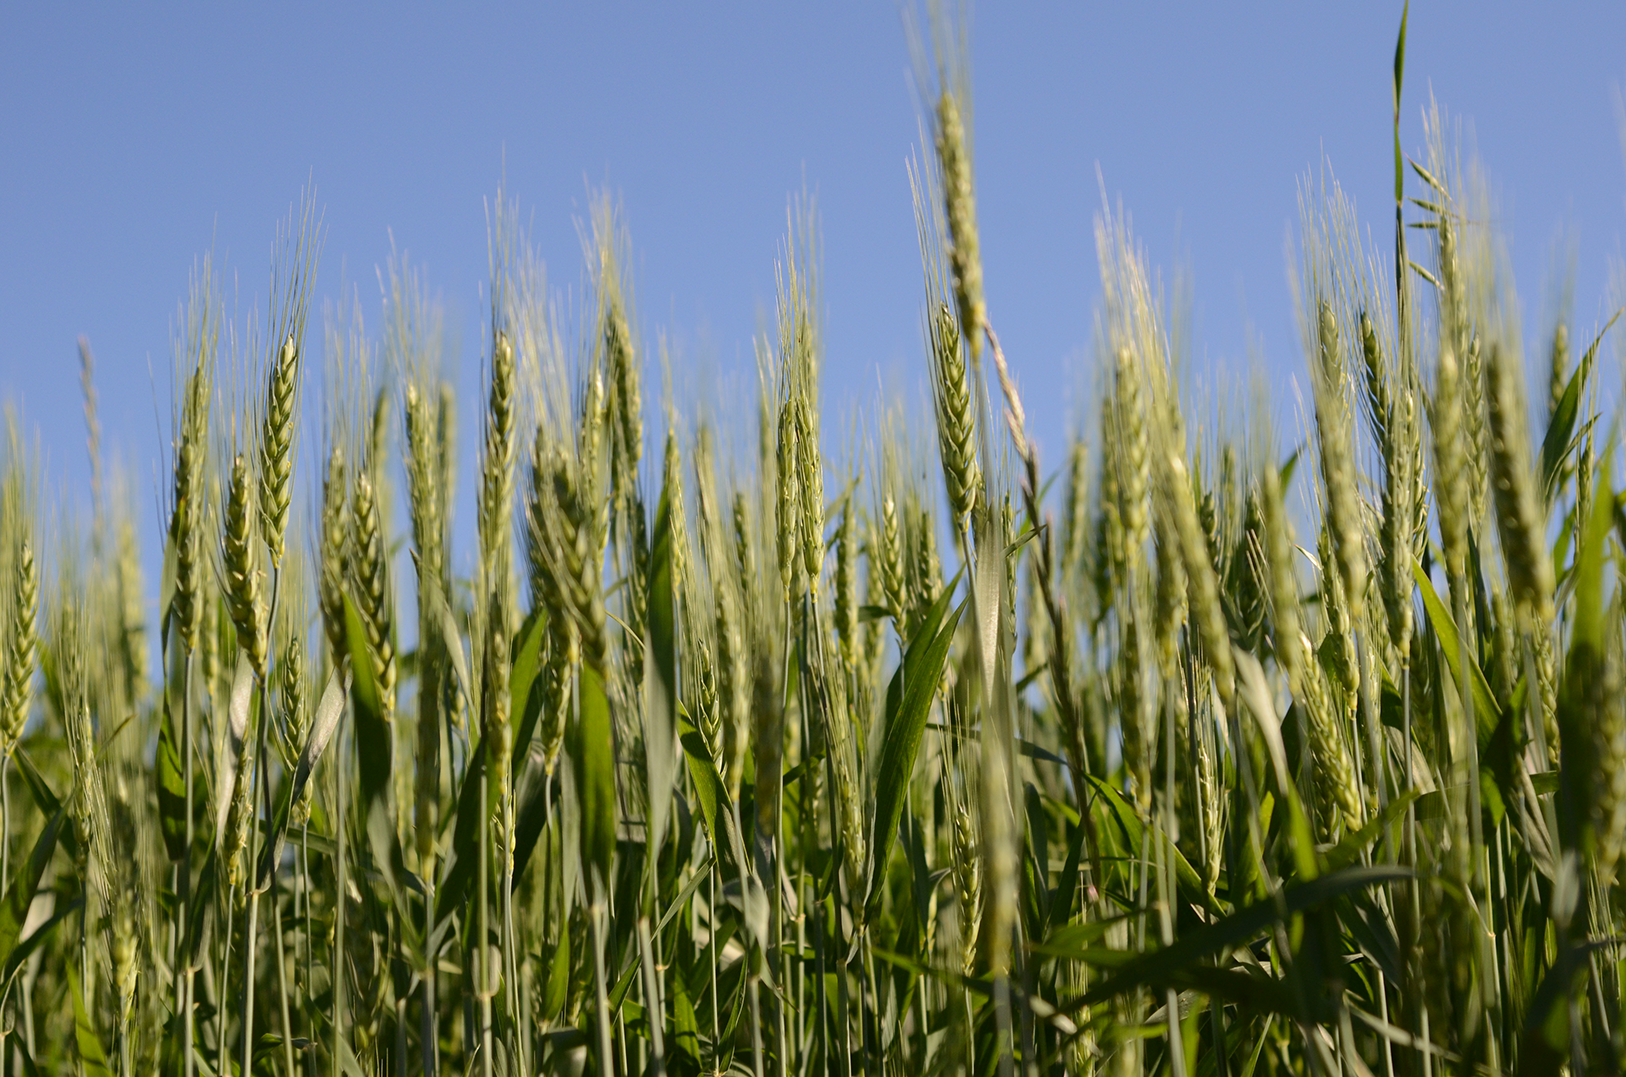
[770, 747]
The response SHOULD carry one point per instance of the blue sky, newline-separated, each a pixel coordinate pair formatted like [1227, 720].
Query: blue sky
[135, 141]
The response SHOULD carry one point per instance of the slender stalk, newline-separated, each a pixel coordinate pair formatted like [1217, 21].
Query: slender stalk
[260, 788]
[183, 966]
[482, 948]
[606, 1056]
[342, 883]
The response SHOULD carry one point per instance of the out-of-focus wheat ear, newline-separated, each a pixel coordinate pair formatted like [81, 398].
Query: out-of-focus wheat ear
[239, 556]
[1476, 465]
[1169, 602]
[22, 646]
[93, 427]
[1519, 515]
[1078, 509]
[564, 651]
[446, 449]
[1202, 581]
[187, 520]
[846, 596]
[277, 449]
[1450, 477]
[131, 608]
[956, 431]
[889, 562]
[1284, 586]
[1036, 626]
[334, 549]
[672, 476]
[1538, 637]
[621, 354]
[1335, 780]
[378, 452]
[1379, 393]
[810, 484]
[1558, 369]
[1110, 547]
[1336, 442]
[370, 568]
[960, 209]
[1133, 464]
[926, 576]
[733, 685]
[497, 465]
[423, 479]
[788, 518]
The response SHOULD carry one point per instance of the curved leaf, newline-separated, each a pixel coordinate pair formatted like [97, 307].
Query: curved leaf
[1240, 927]
[908, 702]
[1487, 712]
[372, 733]
[590, 741]
[25, 882]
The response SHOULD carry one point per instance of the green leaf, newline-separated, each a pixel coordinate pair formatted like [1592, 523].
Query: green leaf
[1581, 699]
[171, 787]
[465, 854]
[25, 882]
[1487, 712]
[329, 710]
[373, 747]
[660, 677]
[25, 949]
[1109, 807]
[908, 702]
[524, 704]
[92, 1059]
[1558, 442]
[590, 742]
[1232, 931]
[709, 789]
[1348, 851]
[533, 818]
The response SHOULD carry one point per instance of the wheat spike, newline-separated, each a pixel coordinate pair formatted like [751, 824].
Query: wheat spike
[371, 575]
[239, 557]
[277, 449]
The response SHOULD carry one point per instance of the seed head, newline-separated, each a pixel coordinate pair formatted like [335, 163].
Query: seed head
[620, 354]
[960, 208]
[956, 433]
[372, 588]
[890, 559]
[186, 524]
[277, 449]
[1335, 439]
[240, 560]
[335, 547]
[810, 483]
[23, 649]
[1131, 459]
[423, 481]
[847, 590]
[497, 468]
[1558, 377]
[1519, 515]
[790, 499]
[1078, 507]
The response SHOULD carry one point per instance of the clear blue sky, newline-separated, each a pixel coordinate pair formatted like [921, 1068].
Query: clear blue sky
[131, 143]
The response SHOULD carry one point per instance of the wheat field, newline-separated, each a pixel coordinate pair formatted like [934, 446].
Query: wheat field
[798, 743]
